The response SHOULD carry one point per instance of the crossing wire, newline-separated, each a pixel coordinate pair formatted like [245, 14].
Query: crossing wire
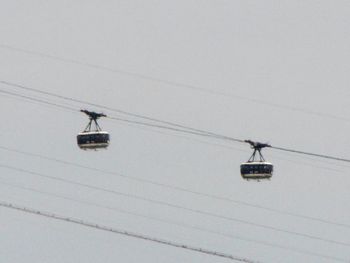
[140, 123]
[176, 188]
[38, 100]
[193, 130]
[124, 232]
[181, 128]
[173, 83]
[184, 225]
[310, 154]
[174, 206]
[111, 118]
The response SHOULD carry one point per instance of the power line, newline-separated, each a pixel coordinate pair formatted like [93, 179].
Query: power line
[123, 232]
[184, 129]
[311, 154]
[163, 203]
[140, 123]
[119, 111]
[118, 210]
[128, 121]
[38, 100]
[197, 131]
[189, 131]
[205, 90]
[173, 83]
[176, 188]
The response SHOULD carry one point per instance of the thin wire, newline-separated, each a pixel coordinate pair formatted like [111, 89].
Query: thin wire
[176, 188]
[163, 203]
[188, 131]
[207, 133]
[139, 123]
[205, 90]
[122, 211]
[311, 154]
[123, 232]
[172, 83]
[119, 111]
[38, 100]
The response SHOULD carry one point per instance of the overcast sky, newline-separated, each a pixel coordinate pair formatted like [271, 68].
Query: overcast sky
[272, 71]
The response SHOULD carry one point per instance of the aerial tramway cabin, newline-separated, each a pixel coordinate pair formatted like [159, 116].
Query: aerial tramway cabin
[93, 139]
[256, 168]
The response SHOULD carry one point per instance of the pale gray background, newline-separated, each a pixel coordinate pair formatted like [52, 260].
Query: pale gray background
[291, 53]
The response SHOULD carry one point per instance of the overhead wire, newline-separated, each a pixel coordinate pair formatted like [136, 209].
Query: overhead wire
[172, 83]
[202, 132]
[127, 121]
[38, 100]
[193, 130]
[28, 99]
[42, 101]
[310, 154]
[177, 188]
[145, 124]
[111, 118]
[205, 90]
[72, 109]
[230, 147]
[188, 131]
[171, 222]
[123, 232]
[175, 206]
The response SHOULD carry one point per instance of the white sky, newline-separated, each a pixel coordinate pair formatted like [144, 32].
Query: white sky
[253, 55]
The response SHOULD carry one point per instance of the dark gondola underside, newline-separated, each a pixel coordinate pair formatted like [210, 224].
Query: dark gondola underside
[93, 140]
[256, 170]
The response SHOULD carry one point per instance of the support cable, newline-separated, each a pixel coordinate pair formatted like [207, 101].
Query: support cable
[173, 83]
[123, 232]
[177, 188]
[197, 131]
[175, 223]
[167, 204]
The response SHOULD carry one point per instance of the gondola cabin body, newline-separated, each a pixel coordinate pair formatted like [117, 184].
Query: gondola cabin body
[256, 170]
[93, 140]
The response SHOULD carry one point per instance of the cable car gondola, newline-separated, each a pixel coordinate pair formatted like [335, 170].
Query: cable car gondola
[256, 169]
[93, 139]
